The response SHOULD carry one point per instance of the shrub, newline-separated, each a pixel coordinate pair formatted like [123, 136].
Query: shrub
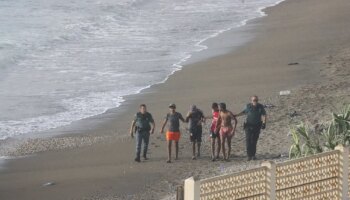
[307, 142]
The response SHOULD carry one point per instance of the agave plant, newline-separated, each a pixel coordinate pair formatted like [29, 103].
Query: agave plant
[341, 124]
[311, 141]
[295, 150]
[337, 132]
[331, 138]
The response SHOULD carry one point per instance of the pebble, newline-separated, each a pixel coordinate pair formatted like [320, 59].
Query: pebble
[48, 184]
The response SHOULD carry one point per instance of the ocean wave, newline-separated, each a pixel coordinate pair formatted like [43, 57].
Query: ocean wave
[87, 59]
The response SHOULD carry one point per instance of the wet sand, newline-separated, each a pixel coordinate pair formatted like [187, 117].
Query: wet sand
[312, 33]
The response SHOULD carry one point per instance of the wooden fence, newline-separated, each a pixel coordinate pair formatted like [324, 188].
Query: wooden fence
[322, 176]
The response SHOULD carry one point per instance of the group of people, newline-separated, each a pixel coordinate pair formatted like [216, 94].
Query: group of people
[223, 127]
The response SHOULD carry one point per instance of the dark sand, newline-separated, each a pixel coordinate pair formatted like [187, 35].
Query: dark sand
[314, 33]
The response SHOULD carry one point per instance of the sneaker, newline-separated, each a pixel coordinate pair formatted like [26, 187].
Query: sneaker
[137, 159]
[249, 158]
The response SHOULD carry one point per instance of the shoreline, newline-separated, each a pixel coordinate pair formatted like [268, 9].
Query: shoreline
[105, 170]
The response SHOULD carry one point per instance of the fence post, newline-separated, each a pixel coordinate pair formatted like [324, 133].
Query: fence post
[271, 179]
[344, 170]
[192, 191]
[180, 192]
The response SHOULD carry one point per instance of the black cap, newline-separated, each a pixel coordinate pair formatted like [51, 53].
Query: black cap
[172, 105]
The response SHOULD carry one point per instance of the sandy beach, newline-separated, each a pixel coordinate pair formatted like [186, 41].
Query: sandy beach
[94, 158]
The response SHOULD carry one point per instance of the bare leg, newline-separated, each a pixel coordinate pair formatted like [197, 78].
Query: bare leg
[219, 147]
[229, 147]
[199, 149]
[176, 150]
[213, 148]
[223, 138]
[169, 151]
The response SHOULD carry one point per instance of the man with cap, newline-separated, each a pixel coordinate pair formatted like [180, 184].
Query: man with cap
[195, 117]
[255, 121]
[173, 132]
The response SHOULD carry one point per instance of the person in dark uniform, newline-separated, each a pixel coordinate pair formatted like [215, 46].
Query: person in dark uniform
[143, 125]
[255, 121]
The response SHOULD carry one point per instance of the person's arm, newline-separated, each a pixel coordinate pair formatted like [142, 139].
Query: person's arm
[188, 116]
[182, 119]
[164, 123]
[218, 122]
[241, 113]
[263, 117]
[153, 125]
[235, 120]
[263, 120]
[132, 128]
[244, 112]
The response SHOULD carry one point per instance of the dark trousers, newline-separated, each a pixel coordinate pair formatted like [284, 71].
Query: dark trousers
[142, 136]
[252, 135]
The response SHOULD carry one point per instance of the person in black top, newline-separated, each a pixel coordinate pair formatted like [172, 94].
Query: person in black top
[195, 117]
[143, 125]
[256, 120]
[173, 132]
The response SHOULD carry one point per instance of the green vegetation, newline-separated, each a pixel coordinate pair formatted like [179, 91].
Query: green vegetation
[309, 141]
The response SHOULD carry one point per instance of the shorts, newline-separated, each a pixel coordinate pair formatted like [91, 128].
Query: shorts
[213, 134]
[172, 136]
[196, 134]
[226, 131]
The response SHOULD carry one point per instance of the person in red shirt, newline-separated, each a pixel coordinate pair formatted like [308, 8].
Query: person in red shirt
[214, 135]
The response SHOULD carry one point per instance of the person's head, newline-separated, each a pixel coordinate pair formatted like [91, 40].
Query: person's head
[143, 108]
[193, 108]
[215, 106]
[222, 107]
[254, 99]
[172, 107]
